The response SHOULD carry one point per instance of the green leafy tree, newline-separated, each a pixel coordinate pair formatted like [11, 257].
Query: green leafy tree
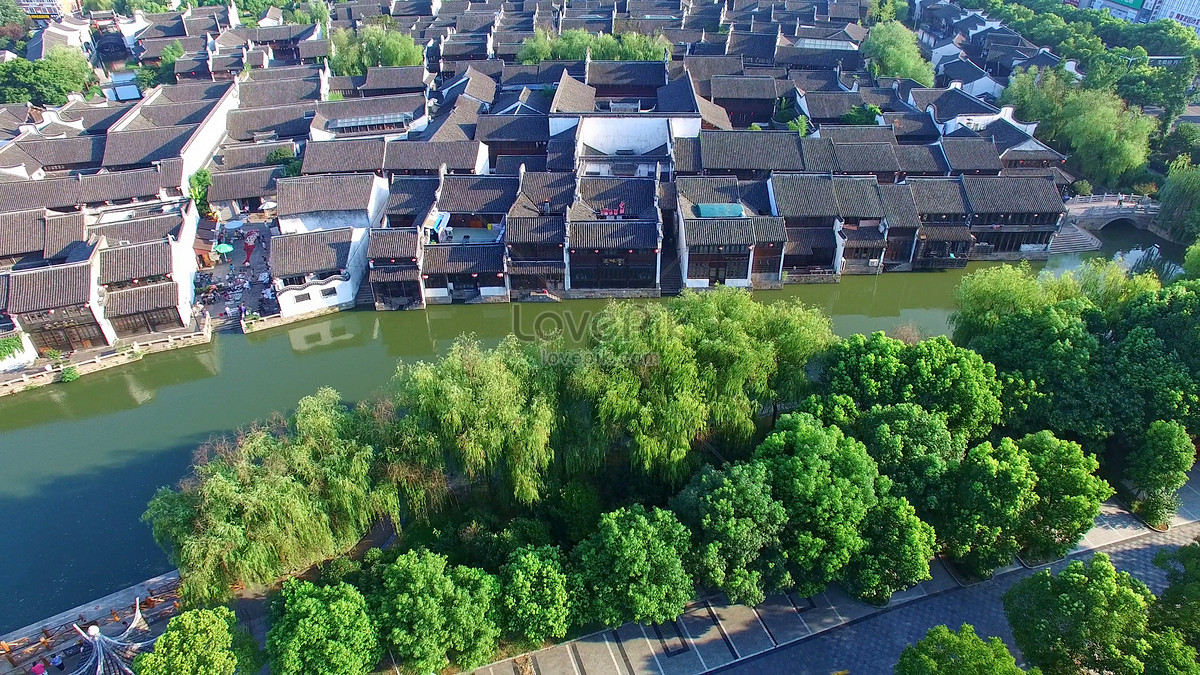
[1191, 261]
[990, 491]
[274, 502]
[986, 296]
[480, 407]
[893, 51]
[1178, 607]
[47, 81]
[1154, 384]
[534, 594]
[1088, 618]
[428, 613]
[864, 113]
[899, 546]
[1179, 201]
[799, 333]
[321, 630]
[1173, 313]
[642, 386]
[574, 44]
[1068, 492]
[1052, 348]
[201, 642]
[199, 183]
[912, 447]
[826, 482]
[631, 569]
[372, 45]
[734, 520]
[735, 367]
[1106, 137]
[1158, 466]
[935, 374]
[11, 14]
[945, 652]
[1183, 141]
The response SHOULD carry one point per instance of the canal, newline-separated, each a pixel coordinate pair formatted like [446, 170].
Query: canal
[79, 461]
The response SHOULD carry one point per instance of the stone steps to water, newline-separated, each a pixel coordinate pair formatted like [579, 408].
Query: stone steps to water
[1073, 239]
[366, 295]
[671, 282]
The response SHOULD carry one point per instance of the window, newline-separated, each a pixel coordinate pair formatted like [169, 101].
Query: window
[303, 297]
[328, 292]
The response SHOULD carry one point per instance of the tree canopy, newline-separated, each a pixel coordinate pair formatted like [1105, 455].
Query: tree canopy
[534, 598]
[990, 491]
[1068, 493]
[574, 44]
[945, 652]
[1087, 618]
[201, 642]
[372, 45]
[899, 546]
[631, 568]
[814, 469]
[893, 51]
[429, 613]
[321, 630]
[47, 81]
[736, 526]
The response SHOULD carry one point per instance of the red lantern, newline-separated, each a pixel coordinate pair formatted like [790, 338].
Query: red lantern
[474, 274]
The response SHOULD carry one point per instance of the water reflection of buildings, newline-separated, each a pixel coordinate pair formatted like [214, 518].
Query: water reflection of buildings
[339, 331]
[110, 391]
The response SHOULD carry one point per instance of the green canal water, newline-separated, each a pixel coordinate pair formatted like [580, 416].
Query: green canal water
[79, 461]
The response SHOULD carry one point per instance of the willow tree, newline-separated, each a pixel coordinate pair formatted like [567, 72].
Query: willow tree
[641, 384]
[1180, 199]
[274, 502]
[734, 365]
[479, 408]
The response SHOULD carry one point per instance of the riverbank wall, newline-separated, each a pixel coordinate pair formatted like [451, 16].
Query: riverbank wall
[86, 364]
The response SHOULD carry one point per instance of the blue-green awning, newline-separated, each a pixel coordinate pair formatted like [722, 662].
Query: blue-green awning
[720, 210]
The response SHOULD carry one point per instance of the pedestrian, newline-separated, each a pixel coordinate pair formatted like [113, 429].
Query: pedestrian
[38, 669]
[57, 662]
[1120, 199]
[248, 247]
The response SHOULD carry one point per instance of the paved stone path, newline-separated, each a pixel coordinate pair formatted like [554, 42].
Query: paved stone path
[791, 634]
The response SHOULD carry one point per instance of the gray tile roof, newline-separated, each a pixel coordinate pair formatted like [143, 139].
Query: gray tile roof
[739, 87]
[139, 230]
[573, 96]
[252, 154]
[310, 252]
[544, 192]
[143, 298]
[509, 165]
[799, 195]
[971, 154]
[411, 195]
[626, 73]
[136, 261]
[513, 128]
[244, 183]
[769, 229]
[1001, 194]
[400, 244]
[898, 206]
[803, 240]
[751, 150]
[329, 192]
[860, 158]
[137, 148]
[84, 150]
[938, 196]
[949, 103]
[285, 121]
[535, 230]
[598, 193]
[463, 259]
[857, 198]
[343, 156]
[430, 155]
[401, 77]
[926, 159]
[719, 232]
[49, 287]
[63, 230]
[614, 234]
[478, 194]
[687, 155]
